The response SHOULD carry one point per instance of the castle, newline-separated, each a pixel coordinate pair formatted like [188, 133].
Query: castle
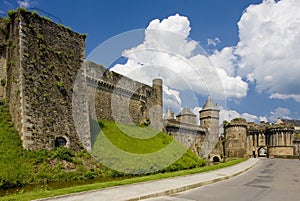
[54, 94]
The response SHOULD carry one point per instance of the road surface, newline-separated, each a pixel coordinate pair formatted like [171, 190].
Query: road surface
[270, 180]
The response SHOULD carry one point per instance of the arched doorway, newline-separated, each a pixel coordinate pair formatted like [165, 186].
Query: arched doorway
[262, 152]
[60, 142]
[216, 159]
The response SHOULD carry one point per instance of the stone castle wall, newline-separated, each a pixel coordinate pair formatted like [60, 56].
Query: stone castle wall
[118, 98]
[43, 60]
[47, 83]
[192, 136]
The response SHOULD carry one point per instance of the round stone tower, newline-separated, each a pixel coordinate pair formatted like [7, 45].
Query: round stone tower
[236, 138]
[209, 117]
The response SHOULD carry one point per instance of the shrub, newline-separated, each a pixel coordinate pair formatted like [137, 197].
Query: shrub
[63, 153]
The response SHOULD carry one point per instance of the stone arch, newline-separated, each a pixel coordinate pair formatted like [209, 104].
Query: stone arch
[216, 159]
[61, 141]
[262, 151]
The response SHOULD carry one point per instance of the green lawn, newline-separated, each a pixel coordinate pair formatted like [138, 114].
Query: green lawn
[39, 169]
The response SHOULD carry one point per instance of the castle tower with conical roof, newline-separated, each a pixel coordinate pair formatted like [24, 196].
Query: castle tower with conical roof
[186, 116]
[169, 114]
[209, 117]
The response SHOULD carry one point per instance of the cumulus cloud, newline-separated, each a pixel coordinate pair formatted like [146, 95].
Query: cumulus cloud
[228, 115]
[225, 59]
[269, 48]
[167, 52]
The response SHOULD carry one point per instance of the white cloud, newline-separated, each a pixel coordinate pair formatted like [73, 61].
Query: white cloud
[265, 119]
[171, 99]
[214, 42]
[269, 47]
[225, 59]
[279, 113]
[26, 3]
[228, 115]
[296, 97]
[167, 52]
[196, 112]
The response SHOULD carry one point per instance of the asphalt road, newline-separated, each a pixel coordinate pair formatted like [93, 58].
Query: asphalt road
[270, 180]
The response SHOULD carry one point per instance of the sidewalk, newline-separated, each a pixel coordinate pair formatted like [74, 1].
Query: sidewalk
[157, 188]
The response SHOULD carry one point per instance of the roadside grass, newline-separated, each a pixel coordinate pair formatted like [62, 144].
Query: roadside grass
[43, 193]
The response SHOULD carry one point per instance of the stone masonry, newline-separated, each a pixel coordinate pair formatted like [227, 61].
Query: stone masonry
[42, 61]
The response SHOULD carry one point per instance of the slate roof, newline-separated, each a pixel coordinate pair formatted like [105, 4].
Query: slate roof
[209, 105]
[186, 112]
[169, 114]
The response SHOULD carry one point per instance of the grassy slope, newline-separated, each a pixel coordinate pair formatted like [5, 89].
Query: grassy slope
[135, 154]
[19, 167]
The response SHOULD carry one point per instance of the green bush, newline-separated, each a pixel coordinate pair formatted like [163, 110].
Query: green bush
[63, 153]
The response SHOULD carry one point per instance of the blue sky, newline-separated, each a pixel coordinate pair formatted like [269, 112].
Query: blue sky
[253, 44]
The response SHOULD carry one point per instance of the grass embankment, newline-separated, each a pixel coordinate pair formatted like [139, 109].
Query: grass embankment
[19, 167]
[141, 150]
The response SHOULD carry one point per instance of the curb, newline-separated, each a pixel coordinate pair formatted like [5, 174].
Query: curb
[192, 186]
[169, 191]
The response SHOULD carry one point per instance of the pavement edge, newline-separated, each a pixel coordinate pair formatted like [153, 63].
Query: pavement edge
[196, 185]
